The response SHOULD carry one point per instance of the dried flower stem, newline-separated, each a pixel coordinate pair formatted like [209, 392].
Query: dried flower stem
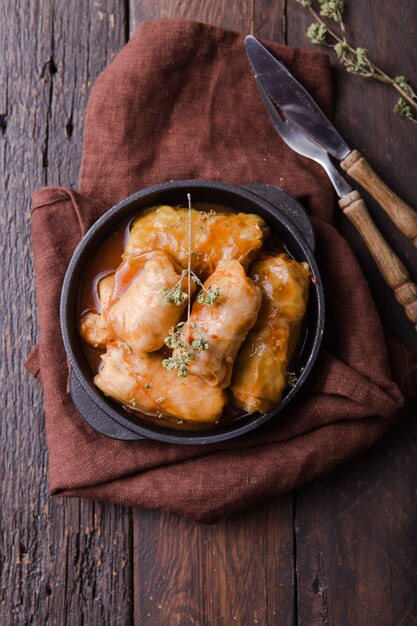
[189, 266]
[356, 60]
[175, 295]
[185, 349]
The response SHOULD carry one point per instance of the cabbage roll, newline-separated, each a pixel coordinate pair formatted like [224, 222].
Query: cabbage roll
[140, 381]
[225, 324]
[94, 327]
[139, 316]
[214, 236]
[260, 373]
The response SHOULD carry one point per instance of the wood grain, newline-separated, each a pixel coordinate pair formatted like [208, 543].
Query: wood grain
[356, 542]
[264, 18]
[239, 571]
[71, 562]
[62, 562]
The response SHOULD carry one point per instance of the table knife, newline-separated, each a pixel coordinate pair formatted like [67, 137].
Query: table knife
[306, 130]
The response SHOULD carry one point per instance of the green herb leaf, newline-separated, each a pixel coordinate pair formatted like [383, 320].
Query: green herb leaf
[332, 9]
[174, 362]
[185, 352]
[356, 61]
[403, 108]
[292, 379]
[317, 33]
[174, 295]
[208, 296]
[200, 344]
[342, 50]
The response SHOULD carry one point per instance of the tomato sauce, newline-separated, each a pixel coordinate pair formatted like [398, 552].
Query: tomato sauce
[107, 260]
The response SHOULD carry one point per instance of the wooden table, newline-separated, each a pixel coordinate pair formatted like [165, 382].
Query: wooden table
[339, 551]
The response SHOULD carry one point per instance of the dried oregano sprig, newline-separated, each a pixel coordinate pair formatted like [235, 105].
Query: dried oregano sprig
[355, 60]
[175, 295]
[185, 350]
[206, 296]
[292, 379]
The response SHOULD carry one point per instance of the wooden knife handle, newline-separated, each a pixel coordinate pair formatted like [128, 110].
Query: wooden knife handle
[403, 216]
[390, 266]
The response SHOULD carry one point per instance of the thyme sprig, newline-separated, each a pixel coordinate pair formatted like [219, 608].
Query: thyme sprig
[206, 296]
[185, 351]
[175, 295]
[292, 379]
[355, 60]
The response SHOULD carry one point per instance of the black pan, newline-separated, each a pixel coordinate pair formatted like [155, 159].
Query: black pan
[286, 218]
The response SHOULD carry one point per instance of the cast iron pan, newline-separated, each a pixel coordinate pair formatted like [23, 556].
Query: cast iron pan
[286, 218]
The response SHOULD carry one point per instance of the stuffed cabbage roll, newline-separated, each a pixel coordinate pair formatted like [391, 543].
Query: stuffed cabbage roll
[260, 373]
[224, 324]
[214, 236]
[139, 381]
[94, 327]
[139, 315]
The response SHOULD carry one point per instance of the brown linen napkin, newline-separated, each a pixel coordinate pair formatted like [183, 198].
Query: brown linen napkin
[179, 101]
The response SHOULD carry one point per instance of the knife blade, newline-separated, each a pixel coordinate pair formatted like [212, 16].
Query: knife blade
[293, 100]
[299, 107]
[302, 143]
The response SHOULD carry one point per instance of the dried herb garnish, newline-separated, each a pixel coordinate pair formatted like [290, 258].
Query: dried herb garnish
[175, 295]
[292, 379]
[206, 296]
[355, 60]
[186, 349]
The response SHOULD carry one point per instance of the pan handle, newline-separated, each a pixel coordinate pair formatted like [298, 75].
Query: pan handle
[95, 417]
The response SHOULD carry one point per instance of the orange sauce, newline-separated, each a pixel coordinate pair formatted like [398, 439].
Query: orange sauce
[107, 260]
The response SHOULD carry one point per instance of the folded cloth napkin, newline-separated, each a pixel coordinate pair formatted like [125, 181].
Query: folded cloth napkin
[180, 101]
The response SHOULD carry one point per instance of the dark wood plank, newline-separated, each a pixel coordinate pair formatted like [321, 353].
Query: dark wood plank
[355, 543]
[269, 19]
[239, 571]
[62, 562]
[265, 18]
[84, 42]
[238, 16]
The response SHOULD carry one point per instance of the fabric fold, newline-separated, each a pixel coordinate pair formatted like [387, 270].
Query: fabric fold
[179, 101]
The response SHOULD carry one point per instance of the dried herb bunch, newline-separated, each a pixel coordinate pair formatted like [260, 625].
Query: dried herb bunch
[185, 351]
[187, 347]
[355, 60]
[175, 295]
